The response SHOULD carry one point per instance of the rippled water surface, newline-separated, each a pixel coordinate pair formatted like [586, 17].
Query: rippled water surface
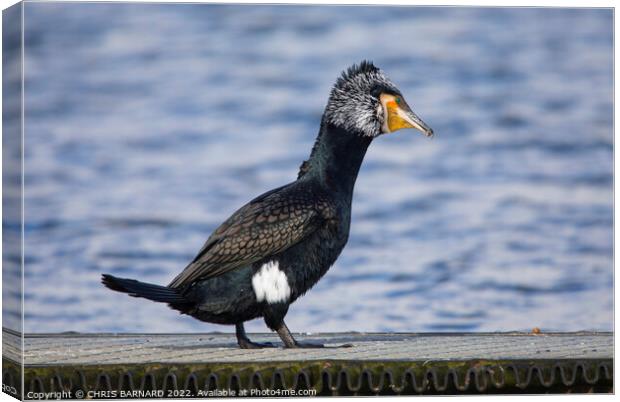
[147, 125]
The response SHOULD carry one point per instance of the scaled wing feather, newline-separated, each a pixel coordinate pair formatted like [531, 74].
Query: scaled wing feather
[265, 226]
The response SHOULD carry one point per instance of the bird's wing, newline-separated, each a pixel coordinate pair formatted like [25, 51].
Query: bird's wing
[266, 225]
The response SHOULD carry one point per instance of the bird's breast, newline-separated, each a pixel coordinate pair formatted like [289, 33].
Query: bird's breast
[306, 263]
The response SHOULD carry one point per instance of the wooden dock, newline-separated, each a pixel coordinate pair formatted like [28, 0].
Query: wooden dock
[103, 366]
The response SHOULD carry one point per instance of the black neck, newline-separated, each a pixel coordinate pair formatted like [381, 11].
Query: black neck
[336, 158]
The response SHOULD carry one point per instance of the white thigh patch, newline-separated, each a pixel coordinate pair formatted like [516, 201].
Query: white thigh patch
[270, 284]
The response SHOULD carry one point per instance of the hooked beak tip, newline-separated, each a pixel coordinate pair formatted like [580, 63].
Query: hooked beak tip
[424, 129]
[415, 122]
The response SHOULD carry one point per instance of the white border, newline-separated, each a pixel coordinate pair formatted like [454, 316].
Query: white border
[480, 3]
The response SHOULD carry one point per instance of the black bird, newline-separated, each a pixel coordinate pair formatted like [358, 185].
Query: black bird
[276, 247]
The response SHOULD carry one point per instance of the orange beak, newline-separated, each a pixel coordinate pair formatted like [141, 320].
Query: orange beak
[399, 115]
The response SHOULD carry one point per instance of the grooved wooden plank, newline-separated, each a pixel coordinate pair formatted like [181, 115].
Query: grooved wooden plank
[96, 349]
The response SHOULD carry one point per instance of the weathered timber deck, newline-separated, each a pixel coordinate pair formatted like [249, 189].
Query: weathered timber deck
[376, 363]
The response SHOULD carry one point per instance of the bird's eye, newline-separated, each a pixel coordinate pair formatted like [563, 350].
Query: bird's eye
[398, 100]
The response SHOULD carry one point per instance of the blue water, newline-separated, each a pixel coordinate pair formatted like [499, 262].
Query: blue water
[147, 125]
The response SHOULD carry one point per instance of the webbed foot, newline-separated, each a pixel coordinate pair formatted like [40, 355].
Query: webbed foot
[291, 343]
[245, 343]
[248, 344]
[304, 345]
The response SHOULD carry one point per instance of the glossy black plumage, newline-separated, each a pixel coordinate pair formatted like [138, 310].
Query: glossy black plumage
[275, 248]
[265, 226]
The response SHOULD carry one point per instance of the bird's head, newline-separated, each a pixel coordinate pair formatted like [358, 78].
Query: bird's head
[366, 102]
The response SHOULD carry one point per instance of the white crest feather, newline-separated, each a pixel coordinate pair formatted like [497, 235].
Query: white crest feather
[351, 104]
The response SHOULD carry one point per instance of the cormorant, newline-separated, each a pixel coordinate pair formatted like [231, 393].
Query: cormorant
[276, 247]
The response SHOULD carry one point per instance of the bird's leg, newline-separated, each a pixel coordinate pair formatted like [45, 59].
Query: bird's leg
[245, 343]
[290, 342]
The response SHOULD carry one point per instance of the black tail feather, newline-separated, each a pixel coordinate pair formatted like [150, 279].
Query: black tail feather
[149, 291]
